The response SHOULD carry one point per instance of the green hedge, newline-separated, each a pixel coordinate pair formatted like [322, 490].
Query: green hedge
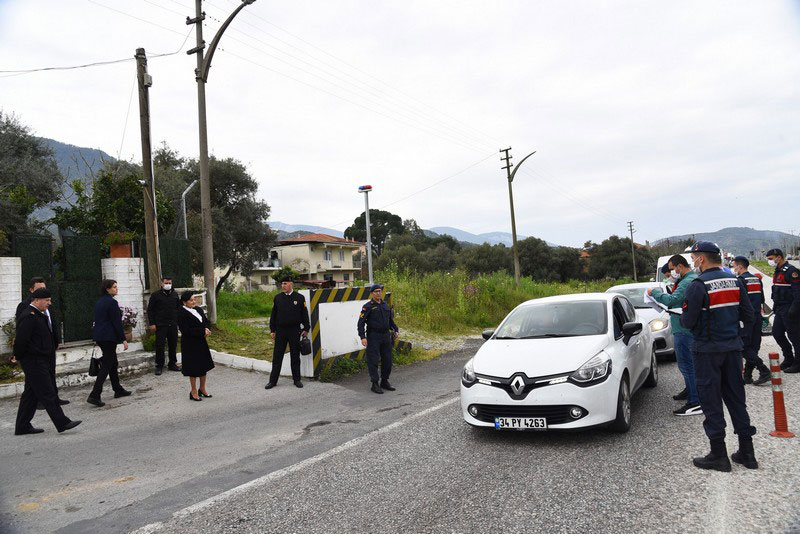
[35, 252]
[81, 259]
[77, 305]
[176, 259]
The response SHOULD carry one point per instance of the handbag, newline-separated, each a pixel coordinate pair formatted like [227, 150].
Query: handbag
[305, 346]
[94, 363]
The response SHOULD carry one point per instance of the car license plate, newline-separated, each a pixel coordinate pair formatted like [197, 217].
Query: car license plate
[520, 423]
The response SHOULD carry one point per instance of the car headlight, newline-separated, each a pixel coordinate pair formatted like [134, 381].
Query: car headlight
[468, 374]
[595, 370]
[658, 324]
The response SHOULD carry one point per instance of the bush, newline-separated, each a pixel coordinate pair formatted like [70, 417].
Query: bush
[341, 368]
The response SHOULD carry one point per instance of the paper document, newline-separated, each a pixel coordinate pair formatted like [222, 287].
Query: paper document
[653, 303]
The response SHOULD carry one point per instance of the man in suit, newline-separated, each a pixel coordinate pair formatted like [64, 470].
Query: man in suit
[34, 346]
[38, 282]
[162, 311]
[287, 322]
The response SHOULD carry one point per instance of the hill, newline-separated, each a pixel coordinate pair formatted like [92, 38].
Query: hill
[743, 240]
[493, 238]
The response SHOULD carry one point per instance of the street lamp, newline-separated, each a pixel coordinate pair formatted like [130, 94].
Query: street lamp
[201, 75]
[183, 209]
[511, 173]
[366, 189]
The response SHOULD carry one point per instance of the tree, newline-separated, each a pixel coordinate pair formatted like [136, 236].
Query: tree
[612, 259]
[29, 179]
[383, 225]
[486, 258]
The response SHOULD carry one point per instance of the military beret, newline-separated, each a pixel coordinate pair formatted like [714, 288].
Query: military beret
[741, 259]
[775, 252]
[705, 246]
[373, 287]
[665, 268]
[42, 293]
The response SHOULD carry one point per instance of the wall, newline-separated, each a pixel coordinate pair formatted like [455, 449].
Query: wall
[130, 276]
[10, 293]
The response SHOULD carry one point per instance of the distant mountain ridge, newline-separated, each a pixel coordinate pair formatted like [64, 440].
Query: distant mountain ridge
[742, 240]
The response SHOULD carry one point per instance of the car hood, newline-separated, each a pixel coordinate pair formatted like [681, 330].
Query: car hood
[536, 357]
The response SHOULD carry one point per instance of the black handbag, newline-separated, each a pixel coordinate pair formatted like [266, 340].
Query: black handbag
[94, 364]
[305, 346]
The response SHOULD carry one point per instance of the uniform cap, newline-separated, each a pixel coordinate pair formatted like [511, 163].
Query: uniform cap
[42, 293]
[373, 287]
[285, 278]
[705, 246]
[775, 252]
[741, 259]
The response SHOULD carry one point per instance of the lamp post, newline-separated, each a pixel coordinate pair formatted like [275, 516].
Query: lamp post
[183, 209]
[511, 173]
[366, 189]
[201, 76]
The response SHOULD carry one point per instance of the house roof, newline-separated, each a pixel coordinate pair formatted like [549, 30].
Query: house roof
[319, 238]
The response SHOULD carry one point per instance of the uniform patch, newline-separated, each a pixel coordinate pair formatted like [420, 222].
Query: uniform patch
[794, 274]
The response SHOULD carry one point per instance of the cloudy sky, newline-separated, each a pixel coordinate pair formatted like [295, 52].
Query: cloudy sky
[680, 116]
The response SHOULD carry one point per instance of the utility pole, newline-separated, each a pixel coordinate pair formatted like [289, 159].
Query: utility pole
[633, 251]
[366, 189]
[149, 186]
[201, 76]
[510, 174]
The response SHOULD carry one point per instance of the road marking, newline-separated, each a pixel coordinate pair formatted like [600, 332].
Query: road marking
[276, 475]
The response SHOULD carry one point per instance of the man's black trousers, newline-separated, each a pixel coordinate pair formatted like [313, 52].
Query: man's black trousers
[782, 328]
[38, 386]
[379, 348]
[166, 334]
[719, 379]
[286, 335]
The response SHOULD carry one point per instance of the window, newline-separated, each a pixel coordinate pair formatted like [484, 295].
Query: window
[341, 255]
[619, 319]
[346, 277]
[327, 255]
[264, 279]
[629, 311]
[328, 277]
[555, 319]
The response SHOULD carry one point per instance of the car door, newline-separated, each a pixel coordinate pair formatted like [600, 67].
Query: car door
[633, 350]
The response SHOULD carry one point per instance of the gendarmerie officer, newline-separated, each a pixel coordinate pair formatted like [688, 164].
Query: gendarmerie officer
[287, 323]
[752, 339]
[34, 346]
[716, 302]
[38, 282]
[378, 319]
[162, 313]
[786, 304]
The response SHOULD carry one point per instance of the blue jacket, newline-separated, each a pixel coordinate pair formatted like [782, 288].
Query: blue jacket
[377, 318]
[107, 321]
[715, 304]
[755, 290]
[786, 288]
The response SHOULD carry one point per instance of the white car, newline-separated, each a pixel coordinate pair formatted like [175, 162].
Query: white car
[658, 322]
[563, 362]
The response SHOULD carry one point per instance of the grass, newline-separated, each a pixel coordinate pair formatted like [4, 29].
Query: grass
[763, 266]
[10, 374]
[251, 340]
[244, 305]
[346, 367]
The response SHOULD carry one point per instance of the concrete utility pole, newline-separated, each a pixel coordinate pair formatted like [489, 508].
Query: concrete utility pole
[149, 186]
[510, 174]
[633, 250]
[201, 76]
[366, 189]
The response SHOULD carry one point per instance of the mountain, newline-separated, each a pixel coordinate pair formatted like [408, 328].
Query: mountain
[306, 228]
[493, 238]
[743, 240]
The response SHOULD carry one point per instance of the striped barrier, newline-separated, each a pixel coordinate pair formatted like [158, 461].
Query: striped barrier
[346, 294]
[781, 425]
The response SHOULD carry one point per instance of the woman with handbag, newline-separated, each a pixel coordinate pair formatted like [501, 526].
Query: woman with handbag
[195, 355]
[107, 332]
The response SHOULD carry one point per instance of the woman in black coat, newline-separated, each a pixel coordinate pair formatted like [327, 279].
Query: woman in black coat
[195, 355]
[107, 332]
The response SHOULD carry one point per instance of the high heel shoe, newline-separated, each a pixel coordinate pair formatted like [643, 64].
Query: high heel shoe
[192, 398]
[203, 394]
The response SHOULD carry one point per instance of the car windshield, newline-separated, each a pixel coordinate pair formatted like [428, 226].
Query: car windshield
[555, 319]
[634, 294]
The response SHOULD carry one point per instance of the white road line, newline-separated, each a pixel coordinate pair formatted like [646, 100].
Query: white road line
[276, 475]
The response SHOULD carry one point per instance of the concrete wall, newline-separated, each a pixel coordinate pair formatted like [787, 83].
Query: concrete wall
[130, 276]
[10, 293]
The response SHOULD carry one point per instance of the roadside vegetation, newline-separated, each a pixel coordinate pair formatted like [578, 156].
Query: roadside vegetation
[763, 266]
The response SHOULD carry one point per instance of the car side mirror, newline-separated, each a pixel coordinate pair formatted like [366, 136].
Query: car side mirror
[629, 330]
[487, 334]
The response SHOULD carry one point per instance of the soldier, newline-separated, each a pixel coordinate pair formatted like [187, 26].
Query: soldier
[287, 323]
[378, 318]
[752, 339]
[162, 313]
[716, 301]
[34, 346]
[786, 303]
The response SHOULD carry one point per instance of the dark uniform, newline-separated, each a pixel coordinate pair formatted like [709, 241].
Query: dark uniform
[752, 338]
[34, 346]
[378, 320]
[22, 308]
[714, 305]
[786, 304]
[162, 311]
[288, 319]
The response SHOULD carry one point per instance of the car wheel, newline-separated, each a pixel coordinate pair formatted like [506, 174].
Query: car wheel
[652, 378]
[623, 421]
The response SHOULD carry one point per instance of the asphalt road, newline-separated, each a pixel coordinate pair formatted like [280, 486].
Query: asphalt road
[336, 458]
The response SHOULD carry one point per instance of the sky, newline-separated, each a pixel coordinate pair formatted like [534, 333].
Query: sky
[679, 116]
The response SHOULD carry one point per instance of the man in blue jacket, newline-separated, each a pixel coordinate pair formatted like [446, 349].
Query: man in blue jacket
[752, 338]
[716, 303]
[786, 303]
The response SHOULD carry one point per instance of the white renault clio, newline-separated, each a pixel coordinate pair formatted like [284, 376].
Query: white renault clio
[563, 362]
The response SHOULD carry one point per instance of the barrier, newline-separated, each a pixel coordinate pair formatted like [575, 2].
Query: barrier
[781, 424]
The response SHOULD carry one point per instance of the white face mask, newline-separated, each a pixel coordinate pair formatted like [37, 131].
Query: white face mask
[167, 287]
[675, 274]
[696, 267]
[772, 263]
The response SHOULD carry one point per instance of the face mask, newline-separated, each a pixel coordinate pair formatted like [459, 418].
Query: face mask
[696, 266]
[167, 287]
[772, 263]
[674, 274]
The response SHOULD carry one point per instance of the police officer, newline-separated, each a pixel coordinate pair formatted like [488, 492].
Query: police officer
[786, 304]
[34, 346]
[378, 318]
[162, 314]
[287, 323]
[716, 302]
[752, 339]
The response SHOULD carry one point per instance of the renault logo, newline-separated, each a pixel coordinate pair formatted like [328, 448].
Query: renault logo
[517, 385]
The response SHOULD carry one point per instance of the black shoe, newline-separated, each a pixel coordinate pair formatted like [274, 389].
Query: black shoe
[203, 394]
[192, 398]
[386, 385]
[746, 459]
[62, 402]
[763, 377]
[376, 389]
[71, 424]
[786, 364]
[748, 378]
[39, 406]
[795, 368]
[270, 385]
[683, 395]
[710, 461]
[121, 393]
[298, 384]
[173, 367]
[159, 370]
[94, 400]
[689, 409]
[29, 430]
